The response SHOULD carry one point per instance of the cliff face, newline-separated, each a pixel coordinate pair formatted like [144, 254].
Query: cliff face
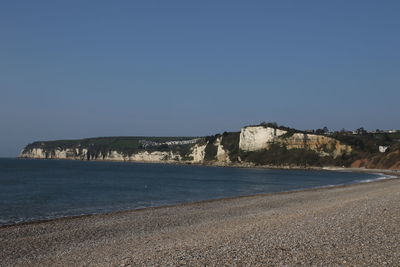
[326, 146]
[112, 155]
[251, 145]
[257, 138]
[198, 153]
[389, 159]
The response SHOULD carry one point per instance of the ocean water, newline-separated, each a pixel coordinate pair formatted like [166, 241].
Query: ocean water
[43, 189]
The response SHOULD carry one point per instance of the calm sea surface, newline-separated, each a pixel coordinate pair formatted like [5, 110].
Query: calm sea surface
[42, 189]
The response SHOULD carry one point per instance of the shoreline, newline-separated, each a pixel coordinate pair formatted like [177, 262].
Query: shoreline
[347, 225]
[227, 165]
[385, 176]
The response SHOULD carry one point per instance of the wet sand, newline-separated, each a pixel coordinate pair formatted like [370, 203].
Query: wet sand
[348, 225]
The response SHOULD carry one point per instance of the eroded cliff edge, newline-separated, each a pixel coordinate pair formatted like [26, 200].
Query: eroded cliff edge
[253, 145]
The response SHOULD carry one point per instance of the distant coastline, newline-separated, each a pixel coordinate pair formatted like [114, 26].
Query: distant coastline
[240, 165]
[266, 144]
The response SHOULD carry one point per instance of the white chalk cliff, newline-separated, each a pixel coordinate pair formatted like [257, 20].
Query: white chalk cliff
[255, 138]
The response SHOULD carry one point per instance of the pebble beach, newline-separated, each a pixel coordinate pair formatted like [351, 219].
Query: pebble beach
[351, 225]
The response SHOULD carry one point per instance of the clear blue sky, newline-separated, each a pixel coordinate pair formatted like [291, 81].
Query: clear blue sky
[73, 69]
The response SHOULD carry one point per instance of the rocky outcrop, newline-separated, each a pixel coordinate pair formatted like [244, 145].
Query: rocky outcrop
[222, 154]
[384, 160]
[326, 146]
[253, 138]
[35, 153]
[198, 153]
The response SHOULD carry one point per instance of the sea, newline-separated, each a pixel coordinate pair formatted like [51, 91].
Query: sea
[32, 190]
